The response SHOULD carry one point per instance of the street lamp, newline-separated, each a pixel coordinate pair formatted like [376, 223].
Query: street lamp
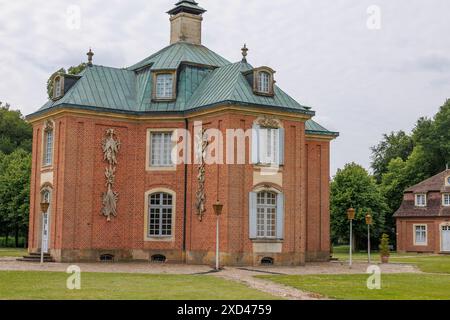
[369, 222]
[44, 209]
[351, 217]
[218, 211]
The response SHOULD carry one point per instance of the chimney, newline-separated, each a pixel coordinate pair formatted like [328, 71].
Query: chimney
[186, 22]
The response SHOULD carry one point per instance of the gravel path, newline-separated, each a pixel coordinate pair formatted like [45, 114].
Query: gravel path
[240, 275]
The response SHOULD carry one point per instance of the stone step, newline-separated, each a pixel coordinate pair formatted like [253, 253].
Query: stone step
[36, 257]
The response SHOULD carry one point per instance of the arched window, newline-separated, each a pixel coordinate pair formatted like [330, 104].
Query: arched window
[264, 82]
[266, 214]
[160, 214]
[48, 144]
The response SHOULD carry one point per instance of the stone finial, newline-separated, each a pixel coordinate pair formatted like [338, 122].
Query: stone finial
[90, 54]
[244, 53]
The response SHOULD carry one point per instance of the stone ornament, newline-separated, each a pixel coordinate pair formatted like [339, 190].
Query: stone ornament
[200, 204]
[269, 122]
[110, 147]
[48, 126]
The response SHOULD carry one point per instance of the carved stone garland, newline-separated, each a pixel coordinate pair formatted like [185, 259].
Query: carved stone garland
[269, 122]
[200, 204]
[111, 147]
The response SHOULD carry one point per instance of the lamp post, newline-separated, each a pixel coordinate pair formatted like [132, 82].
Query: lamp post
[351, 216]
[44, 209]
[218, 211]
[369, 222]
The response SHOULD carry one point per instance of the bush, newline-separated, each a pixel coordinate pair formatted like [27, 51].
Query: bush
[384, 245]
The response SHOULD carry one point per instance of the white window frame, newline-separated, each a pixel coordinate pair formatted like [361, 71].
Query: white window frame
[266, 221]
[164, 86]
[58, 87]
[446, 199]
[264, 80]
[147, 207]
[425, 242]
[162, 223]
[420, 204]
[163, 151]
[447, 181]
[256, 233]
[268, 146]
[48, 144]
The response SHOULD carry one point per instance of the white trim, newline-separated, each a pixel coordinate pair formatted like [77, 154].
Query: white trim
[170, 238]
[443, 199]
[447, 181]
[440, 235]
[148, 150]
[426, 234]
[415, 200]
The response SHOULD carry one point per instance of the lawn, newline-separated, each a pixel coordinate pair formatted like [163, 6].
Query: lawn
[12, 252]
[114, 286]
[425, 262]
[353, 287]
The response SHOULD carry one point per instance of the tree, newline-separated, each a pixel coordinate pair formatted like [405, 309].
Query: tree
[15, 132]
[354, 187]
[394, 145]
[74, 70]
[15, 170]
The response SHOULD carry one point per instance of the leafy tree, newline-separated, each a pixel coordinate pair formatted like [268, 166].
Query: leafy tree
[394, 145]
[14, 193]
[15, 132]
[354, 187]
[72, 70]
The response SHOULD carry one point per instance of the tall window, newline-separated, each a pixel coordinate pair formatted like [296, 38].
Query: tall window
[48, 147]
[266, 213]
[420, 234]
[446, 199]
[164, 86]
[264, 82]
[57, 87]
[161, 149]
[267, 145]
[421, 200]
[160, 215]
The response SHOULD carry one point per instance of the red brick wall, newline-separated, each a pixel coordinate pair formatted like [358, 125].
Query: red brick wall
[79, 181]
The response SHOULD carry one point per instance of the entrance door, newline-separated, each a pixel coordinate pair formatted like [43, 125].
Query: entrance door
[445, 236]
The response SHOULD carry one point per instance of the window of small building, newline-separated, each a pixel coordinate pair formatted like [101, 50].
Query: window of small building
[266, 214]
[264, 82]
[446, 199]
[268, 146]
[421, 200]
[160, 214]
[164, 86]
[420, 234]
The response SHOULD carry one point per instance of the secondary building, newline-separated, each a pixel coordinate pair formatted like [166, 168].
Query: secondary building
[423, 220]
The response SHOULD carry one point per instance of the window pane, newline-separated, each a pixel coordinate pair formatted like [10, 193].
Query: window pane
[161, 149]
[266, 209]
[48, 150]
[164, 86]
[264, 82]
[160, 214]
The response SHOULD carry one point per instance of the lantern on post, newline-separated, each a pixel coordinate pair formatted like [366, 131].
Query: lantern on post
[351, 216]
[369, 222]
[218, 207]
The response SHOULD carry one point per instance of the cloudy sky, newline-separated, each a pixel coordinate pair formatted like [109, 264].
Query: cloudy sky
[366, 67]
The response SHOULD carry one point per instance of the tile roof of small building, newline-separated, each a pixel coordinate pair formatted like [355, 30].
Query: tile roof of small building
[434, 208]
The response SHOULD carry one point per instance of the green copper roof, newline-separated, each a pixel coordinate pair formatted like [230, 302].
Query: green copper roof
[172, 56]
[228, 84]
[312, 127]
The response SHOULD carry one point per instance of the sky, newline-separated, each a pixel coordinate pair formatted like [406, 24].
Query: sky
[366, 67]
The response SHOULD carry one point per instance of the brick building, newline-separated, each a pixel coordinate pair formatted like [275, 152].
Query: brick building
[423, 220]
[103, 158]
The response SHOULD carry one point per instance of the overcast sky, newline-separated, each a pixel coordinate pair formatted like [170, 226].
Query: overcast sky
[363, 76]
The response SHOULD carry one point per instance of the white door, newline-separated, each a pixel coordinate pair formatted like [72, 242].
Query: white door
[45, 232]
[445, 236]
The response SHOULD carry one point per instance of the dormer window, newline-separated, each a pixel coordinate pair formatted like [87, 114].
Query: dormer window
[421, 200]
[164, 86]
[263, 82]
[58, 87]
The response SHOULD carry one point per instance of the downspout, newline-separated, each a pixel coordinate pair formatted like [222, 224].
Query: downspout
[186, 122]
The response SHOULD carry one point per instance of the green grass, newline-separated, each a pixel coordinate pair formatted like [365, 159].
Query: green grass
[425, 262]
[12, 252]
[113, 286]
[353, 287]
